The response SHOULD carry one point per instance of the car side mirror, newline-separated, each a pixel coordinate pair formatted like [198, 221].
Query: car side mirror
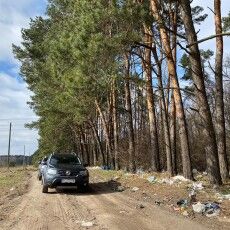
[85, 165]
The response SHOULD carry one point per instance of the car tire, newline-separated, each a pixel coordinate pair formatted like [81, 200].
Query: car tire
[44, 188]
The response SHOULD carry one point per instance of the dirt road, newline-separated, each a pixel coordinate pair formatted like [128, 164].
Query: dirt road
[102, 208]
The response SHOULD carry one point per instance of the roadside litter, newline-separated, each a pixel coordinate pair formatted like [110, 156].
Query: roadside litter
[134, 189]
[197, 186]
[152, 179]
[179, 178]
[86, 224]
[198, 207]
[141, 206]
[120, 188]
[212, 209]
[182, 203]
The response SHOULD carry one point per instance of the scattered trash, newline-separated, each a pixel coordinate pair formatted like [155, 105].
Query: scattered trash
[198, 207]
[120, 188]
[158, 202]
[140, 171]
[182, 203]
[176, 209]
[185, 213]
[116, 178]
[152, 179]
[106, 167]
[180, 178]
[226, 197]
[134, 189]
[222, 196]
[212, 209]
[12, 189]
[123, 211]
[200, 176]
[194, 171]
[167, 181]
[95, 167]
[197, 186]
[86, 224]
[141, 206]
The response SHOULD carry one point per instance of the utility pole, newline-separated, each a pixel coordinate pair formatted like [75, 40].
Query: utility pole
[8, 157]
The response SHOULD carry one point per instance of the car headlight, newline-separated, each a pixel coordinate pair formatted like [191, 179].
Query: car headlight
[84, 173]
[52, 171]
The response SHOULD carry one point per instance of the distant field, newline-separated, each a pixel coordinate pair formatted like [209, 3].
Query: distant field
[13, 179]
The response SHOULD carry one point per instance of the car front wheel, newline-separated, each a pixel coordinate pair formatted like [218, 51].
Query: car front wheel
[44, 188]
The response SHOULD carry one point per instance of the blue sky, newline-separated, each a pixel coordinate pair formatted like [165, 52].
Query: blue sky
[15, 15]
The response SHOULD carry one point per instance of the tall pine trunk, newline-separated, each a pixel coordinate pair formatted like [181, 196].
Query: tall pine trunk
[220, 119]
[129, 117]
[106, 130]
[165, 121]
[200, 92]
[115, 124]
[155, 164]
[183, 133]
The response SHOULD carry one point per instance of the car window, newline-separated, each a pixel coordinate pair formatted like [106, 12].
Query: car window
[64, 159]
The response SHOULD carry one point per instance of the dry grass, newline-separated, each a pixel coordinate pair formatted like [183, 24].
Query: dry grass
[13, 179]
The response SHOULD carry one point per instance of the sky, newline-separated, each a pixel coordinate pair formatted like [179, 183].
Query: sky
[15, 15]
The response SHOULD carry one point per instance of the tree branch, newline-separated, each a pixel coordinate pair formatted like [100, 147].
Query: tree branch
[208, 38]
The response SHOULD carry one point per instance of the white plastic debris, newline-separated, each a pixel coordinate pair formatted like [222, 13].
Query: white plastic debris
[86, 224]
[12, 189]
[120, 188]
[226, 197]
[198, 207]
[151, 179]
[134, 189]
[222, 196]
[197, 186]
[140, 171]
[194, 171]
[95, 167]
[116, 178]
[180, 178]
[167, 181]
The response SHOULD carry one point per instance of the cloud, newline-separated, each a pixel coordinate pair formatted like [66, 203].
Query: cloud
[16, 15]
[13, 102]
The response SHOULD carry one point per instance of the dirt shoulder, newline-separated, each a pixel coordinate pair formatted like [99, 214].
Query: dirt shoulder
[13, 184]
[166, 195]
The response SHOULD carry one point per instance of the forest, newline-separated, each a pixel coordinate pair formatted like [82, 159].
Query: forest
[124, 84]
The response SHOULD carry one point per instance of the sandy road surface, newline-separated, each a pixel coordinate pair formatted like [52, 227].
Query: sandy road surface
[103, 207]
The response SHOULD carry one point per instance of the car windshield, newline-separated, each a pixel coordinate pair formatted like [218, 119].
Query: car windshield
[64, 159]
